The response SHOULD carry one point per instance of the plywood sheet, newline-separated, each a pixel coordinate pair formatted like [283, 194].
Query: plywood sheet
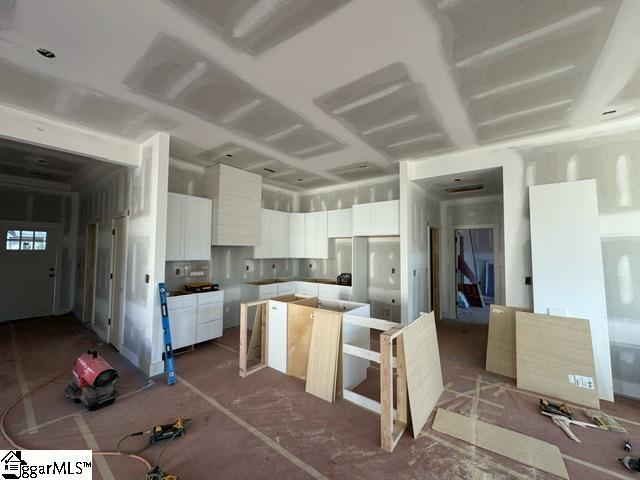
[422, 363]
[555, 358]
[516, 446]
[299, 324]
[501, 344]
[322, 368]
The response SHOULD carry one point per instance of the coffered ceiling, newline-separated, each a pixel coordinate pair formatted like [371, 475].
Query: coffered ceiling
[311, 93]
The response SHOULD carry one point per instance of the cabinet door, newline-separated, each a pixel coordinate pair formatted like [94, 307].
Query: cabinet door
[322, 240]
[175, 222]
[279, 235]
[347, 222]
[335, 223]
[267, 291]
[327, 291]
[309, 235]
[277, 336]
[386, 218]
[262, 249]
[183, 326]
[197, 228]
[362, 220]
[296, 235]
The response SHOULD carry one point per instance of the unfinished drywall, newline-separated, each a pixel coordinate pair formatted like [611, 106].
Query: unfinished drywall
[613, 159]
[35, 204]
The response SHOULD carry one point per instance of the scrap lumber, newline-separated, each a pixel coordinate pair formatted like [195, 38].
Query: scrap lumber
[555, 358]
[424, 374]
[501, 344]
[322, 368]
[299, 325]
[516, 446]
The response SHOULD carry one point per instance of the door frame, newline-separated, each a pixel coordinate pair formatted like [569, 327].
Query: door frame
[90, 269]
[434, 294]
[112, 298]
[497, 242]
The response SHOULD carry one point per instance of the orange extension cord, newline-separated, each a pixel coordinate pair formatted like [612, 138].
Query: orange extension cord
[15, 445]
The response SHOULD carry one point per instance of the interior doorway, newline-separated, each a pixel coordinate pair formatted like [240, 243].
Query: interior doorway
[29, 258]
[475, 273]
[90, 258]
[118, 281]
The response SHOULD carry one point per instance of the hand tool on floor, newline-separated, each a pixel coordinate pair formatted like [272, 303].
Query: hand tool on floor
[627, 446]
[604, 420]
[169, 431]
[631, 463]
[169, 366]
[157, 474]
[554, 408]
[564, 418]
[93, 381]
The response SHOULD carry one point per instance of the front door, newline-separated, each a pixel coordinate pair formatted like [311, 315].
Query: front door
[28, 266]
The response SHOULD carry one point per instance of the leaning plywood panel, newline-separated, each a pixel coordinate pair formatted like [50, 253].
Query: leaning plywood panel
[299, 324]
[501, 344]
[323, 354]
[555, 358]
[566, 256]
[516, 446]
[422, 363]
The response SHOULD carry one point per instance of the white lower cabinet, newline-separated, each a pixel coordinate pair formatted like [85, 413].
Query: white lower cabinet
[286, 288]
[307, 289]
[195, 318]
[267, 291]
[277, 336]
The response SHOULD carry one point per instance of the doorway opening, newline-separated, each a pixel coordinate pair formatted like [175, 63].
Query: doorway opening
[90, 259]
[434, 270]
[475, 275]
[118, 280]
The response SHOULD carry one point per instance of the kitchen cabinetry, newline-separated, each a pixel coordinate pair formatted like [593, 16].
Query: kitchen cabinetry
[274, 235]
[188, 227]
[195, 318]
[296, 235]
[376, 219]
[316, 242]
[340, 223]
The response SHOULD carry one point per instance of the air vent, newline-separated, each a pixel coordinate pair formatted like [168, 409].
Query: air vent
[270, 170]
[465, 189]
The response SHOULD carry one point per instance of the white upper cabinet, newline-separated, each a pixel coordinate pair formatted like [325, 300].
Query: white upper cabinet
[296, 235]
[188, 228]
[376, 219]
[340, 223]
[316, 243]
[274, 235]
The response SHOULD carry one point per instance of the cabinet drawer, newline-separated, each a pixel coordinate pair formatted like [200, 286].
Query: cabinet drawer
[208, 331]
[210, 312]
[210, 297]
[181, 301]
[267, 291]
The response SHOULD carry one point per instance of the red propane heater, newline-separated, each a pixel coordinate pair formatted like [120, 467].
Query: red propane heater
[93, 381]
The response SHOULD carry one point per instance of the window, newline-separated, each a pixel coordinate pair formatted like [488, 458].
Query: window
[26, 240]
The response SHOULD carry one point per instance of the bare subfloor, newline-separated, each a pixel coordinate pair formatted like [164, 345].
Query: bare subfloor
[265, 426]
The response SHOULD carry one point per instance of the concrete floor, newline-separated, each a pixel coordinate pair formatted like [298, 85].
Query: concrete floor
[265, 426]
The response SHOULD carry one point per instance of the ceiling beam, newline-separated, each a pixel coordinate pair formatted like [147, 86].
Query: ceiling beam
[23, 127]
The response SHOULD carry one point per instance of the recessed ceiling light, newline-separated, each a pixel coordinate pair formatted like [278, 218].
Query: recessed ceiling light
[228, 155]
[609, 112]
[42, 161]
[46, 53]
[364, 165]
[269, 170]
[299, 180]
[457, 179]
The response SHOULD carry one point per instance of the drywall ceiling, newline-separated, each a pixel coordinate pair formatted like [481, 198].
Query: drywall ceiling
[43, 164]
[490, 179]
[307, 92]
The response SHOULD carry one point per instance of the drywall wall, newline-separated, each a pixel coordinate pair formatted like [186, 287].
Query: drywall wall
[140, 193]
[383, 252]
[31, 204]
[613, 159]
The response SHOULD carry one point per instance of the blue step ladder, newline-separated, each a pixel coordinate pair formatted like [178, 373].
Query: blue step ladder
[169, 365]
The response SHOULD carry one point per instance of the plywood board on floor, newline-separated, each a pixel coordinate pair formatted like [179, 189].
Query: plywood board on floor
[501, 343]
[299, 325]
[322, 368]
[423, 371]
[555, 358]
[516, 446]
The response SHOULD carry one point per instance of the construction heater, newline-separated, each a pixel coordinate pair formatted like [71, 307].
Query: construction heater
[93, 381]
